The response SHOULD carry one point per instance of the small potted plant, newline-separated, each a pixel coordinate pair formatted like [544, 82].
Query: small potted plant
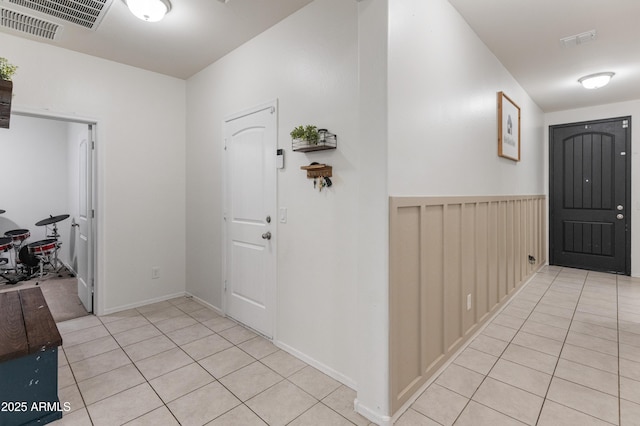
[6, 69]
[308, 134]
[6, 91]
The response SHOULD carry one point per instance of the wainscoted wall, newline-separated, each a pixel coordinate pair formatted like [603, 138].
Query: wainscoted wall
[443, 249]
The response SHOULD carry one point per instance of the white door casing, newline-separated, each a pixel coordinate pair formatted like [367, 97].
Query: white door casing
[83, 221]
[250, 217]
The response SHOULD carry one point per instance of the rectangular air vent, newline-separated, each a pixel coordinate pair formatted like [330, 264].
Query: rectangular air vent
[578, 39]
[24, 23]
[86, 13]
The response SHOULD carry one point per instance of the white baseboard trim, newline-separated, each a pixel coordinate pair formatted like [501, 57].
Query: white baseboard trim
[205, 303]
[347, 381]
[143, 303]
[371, 415]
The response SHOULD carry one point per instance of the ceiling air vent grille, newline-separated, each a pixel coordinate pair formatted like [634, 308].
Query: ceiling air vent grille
[29, 24]
[86, 13]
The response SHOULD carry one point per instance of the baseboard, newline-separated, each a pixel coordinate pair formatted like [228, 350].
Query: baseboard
[371, 415]
[143, 303]
[205, 303]
[347, 381]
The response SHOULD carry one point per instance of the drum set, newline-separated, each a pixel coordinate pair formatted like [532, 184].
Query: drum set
[30, 260]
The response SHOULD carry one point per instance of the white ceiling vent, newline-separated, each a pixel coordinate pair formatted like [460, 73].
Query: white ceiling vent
[578, 39]
[24, 23]
[86, 13]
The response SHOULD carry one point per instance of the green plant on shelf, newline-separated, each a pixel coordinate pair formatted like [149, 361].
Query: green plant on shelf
[307, 133]
[6, 69]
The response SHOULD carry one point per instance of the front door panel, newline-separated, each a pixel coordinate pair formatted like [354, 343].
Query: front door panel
[589, 195]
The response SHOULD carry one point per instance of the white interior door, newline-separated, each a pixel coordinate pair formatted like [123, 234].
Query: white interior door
[250, 217]
[83, 221]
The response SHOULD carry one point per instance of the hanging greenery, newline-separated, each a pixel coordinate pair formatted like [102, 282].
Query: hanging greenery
[308, 133]
[6, 69]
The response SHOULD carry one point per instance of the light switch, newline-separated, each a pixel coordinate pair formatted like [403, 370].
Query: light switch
[283, 215]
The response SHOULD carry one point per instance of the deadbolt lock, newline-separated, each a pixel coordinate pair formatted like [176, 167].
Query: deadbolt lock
[620, 207]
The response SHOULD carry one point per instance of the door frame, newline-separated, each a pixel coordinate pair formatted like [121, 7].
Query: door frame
[628, 180]
[273, 300]
[95, 256]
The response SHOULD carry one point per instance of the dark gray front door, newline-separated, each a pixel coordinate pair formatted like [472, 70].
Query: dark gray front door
[590, 195]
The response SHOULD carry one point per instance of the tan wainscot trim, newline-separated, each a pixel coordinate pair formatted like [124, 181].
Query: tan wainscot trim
[443, 249]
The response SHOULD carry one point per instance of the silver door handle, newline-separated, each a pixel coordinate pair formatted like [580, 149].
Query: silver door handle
[266, 235]
[75, 224]
[620, 216]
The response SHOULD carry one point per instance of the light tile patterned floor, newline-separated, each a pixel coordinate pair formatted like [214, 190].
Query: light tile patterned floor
[565, 351]
[178, 362]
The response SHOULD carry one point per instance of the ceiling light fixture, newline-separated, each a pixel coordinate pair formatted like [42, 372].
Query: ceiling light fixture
[149, 10]
[595, 81]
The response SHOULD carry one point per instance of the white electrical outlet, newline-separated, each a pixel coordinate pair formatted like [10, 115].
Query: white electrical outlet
[155, 273]
[469, 302]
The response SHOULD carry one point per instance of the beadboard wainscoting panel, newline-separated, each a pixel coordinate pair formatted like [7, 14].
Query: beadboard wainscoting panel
[453, 262]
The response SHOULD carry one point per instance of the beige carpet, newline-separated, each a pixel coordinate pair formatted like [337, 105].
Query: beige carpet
[61, 294]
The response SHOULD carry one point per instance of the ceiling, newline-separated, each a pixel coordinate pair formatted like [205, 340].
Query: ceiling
[194, 34]
[525, 36]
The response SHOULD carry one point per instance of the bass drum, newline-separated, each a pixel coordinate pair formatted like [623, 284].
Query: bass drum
[27, 258]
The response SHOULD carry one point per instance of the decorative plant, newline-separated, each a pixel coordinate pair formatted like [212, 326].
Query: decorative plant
[6, 69]
[308, 133]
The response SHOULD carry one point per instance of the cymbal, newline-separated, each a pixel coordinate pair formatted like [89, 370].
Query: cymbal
[52, 219]
[2, 211]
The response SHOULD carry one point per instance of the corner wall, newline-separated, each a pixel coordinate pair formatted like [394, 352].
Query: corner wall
[308, 62]
[443, 142]
[631, 108]
[140, 144]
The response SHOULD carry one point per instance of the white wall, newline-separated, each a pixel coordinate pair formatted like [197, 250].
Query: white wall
[34, 176]
[443, 109]
[141, 161]
[373, 214]
[309, 63]
[621, 109]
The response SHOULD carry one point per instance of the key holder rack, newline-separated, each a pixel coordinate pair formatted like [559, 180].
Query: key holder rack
[315, 170]
[320, 173]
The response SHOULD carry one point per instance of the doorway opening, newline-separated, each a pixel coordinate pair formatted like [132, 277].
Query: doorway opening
[590, 195]
[48, 199]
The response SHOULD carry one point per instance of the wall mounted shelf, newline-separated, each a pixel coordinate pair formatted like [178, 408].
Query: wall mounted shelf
[326, 141]
[318, 170]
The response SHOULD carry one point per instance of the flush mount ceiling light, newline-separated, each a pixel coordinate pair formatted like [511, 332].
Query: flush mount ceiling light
[595, 81]
[149, 10]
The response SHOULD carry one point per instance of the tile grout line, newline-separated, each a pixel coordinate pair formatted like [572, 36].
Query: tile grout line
[553, 374]
[498, 358]
[234, 345]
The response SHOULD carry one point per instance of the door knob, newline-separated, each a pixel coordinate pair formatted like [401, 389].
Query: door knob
[266, 235]
[620, 216]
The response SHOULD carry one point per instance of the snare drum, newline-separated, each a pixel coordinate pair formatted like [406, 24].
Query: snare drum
[18, 235]
[43, 247]
[5, 244]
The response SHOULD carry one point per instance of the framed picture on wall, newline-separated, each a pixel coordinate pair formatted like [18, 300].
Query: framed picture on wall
[508, 128]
